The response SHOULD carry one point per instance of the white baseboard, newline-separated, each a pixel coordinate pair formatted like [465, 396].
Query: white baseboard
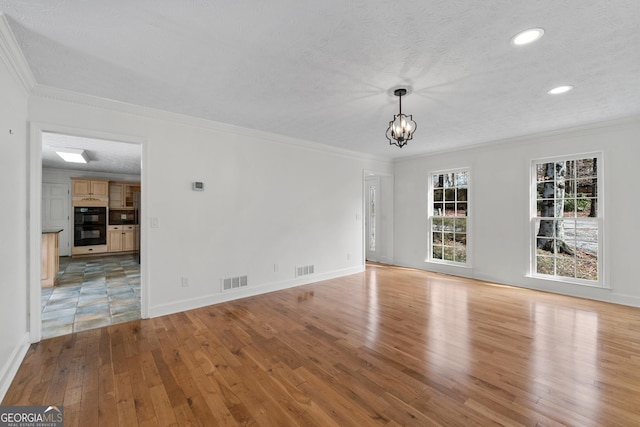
[203, 301]
[9, 370]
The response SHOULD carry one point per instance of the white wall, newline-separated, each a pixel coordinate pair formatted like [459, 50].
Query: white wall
[500, 177]
[13, 223]
[270, 203]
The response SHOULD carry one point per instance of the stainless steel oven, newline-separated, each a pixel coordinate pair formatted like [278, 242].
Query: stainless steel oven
[90, 226]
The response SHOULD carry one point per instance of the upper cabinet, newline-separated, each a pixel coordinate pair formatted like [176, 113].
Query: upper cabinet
[122, 194]
[115, 195]
[130, 190]
[89, 192]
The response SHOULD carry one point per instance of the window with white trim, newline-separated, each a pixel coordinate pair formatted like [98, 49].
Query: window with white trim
[566, 222]
[448, 216]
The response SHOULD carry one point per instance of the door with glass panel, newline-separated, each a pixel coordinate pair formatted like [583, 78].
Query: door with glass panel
[372, 219]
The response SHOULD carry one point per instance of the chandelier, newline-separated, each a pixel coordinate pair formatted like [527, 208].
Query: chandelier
[402, 127]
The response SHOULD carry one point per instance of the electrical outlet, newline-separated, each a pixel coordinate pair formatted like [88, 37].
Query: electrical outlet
[185, 282]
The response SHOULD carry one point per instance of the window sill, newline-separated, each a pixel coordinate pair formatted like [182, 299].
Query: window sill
[447, 263]
[568, 282]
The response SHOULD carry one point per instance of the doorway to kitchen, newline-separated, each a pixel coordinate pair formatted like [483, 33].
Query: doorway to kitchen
[94, 208]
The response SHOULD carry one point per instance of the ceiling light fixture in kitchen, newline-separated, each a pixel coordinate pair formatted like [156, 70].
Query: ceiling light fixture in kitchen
[72, 155]
[402, 127]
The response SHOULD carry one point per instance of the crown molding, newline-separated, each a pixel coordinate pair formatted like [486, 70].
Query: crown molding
[583, 129]
[12, 56]
[90, 101]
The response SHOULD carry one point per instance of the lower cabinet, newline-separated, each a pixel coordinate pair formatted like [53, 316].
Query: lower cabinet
[122, 238]
[50, 254]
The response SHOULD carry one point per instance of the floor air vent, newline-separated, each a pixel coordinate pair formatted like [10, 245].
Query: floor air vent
[234, 283]
[304, 270]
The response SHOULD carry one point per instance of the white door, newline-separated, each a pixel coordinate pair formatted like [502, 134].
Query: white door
[372, 218]
[55, 212]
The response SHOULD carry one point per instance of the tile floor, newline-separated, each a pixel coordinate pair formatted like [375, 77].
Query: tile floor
[91, 293]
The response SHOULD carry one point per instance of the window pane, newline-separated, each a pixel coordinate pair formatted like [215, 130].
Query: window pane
[585, 168]
[460, 254]
[437, 252]
[449, 209]
[460, 225]
[587, 187]
[448, 253]
[447, 224]
[569, 207]
[587, 268]
[566, 266]
[447, 239]
[592, 212]
[548, 208]
[540, 172]
[461, 209]
[570, 187]
[462, 179]
[546, 228]
[462, 194]
[438, 209]
[448, 180]
[570, 167]
[437, 238]
[449, 194]
[587, 236]
[544, 265]
[436, 224]
[437, 195]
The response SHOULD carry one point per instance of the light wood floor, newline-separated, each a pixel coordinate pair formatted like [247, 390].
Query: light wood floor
[390, 347]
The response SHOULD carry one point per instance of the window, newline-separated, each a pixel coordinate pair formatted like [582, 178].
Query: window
[566, 223]
[448, 216]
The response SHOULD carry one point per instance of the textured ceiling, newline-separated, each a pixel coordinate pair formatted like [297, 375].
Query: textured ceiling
[325, 71]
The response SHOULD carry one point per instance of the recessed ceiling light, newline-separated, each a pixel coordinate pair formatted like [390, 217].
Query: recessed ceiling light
[527, 36]
[72, 155]
[560, 89]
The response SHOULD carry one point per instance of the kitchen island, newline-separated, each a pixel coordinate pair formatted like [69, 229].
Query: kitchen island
[50, 256]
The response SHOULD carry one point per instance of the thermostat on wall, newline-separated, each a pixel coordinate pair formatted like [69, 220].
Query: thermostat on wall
[198, 186]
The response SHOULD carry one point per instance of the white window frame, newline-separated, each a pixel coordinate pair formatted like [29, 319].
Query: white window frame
[599, 221]
[431, 215]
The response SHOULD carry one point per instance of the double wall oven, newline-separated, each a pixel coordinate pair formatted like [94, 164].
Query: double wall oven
[89, 226]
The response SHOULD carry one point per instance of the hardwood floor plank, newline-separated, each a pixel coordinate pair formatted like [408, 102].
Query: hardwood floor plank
[391, 346]
[164, 410]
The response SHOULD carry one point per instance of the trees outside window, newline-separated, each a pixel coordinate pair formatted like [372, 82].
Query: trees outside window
[566, 220]
[448, 216]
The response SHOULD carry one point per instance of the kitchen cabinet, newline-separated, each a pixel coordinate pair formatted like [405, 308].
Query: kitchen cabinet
[89, 192]
[121, 194]
[50, 257]
[129, 194]
[122, 238]
[116, 200]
